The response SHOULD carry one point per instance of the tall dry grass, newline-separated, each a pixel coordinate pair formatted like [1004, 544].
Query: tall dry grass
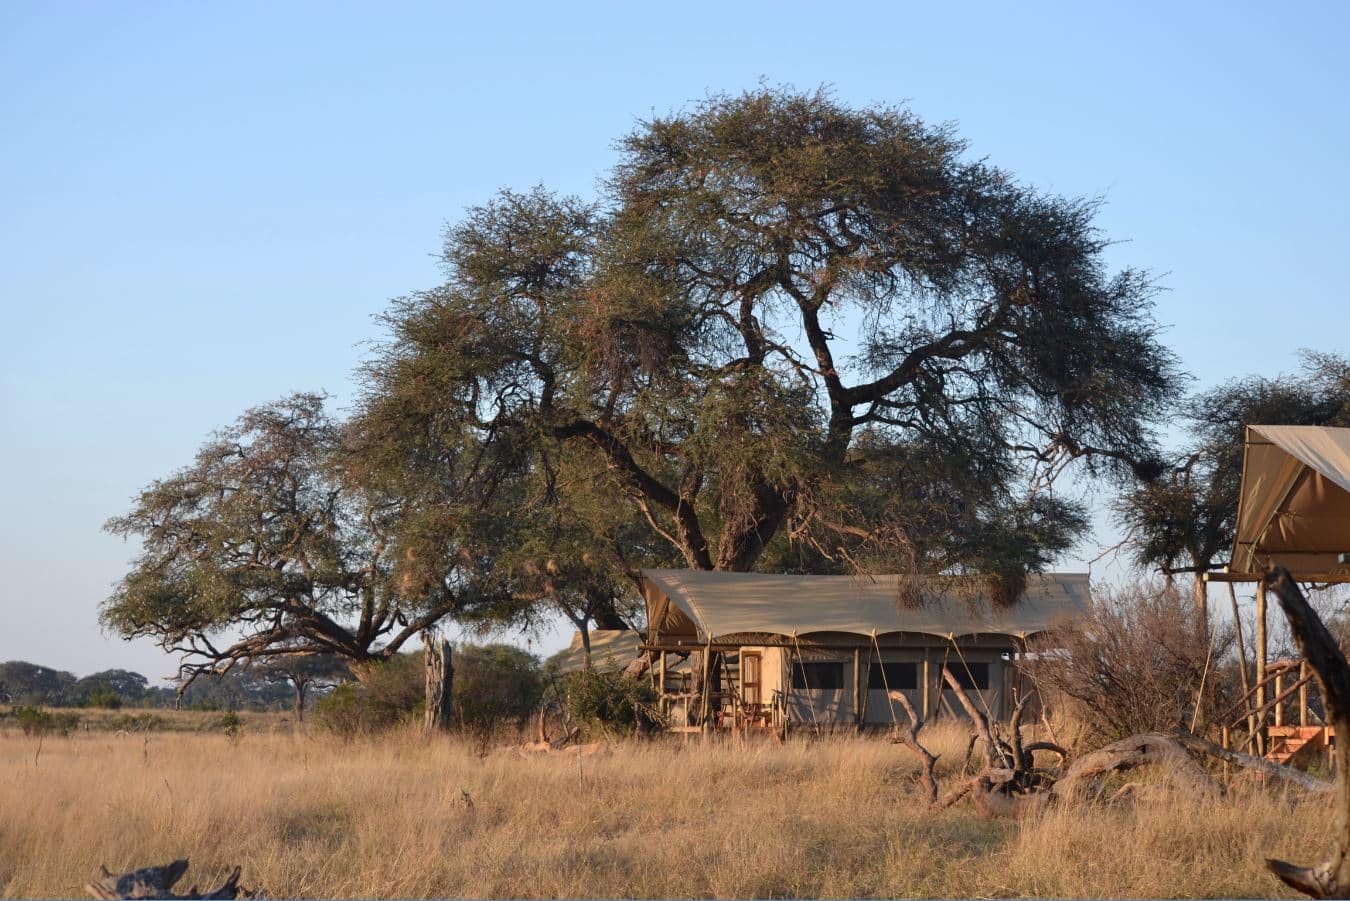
[402, 817]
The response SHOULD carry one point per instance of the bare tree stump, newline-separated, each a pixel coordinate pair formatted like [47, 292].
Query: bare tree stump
[1330, 879]
[158, 882]
[440, 682]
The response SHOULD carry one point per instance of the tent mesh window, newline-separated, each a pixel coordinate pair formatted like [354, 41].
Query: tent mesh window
[970, 675]
[903, 676]
[817, 675]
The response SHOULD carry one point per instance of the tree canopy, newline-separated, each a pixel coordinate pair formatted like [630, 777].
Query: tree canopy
[1185, 521]
[789, 333]
[266, 547]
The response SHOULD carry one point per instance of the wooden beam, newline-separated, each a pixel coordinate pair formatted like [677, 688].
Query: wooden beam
[1320, 577]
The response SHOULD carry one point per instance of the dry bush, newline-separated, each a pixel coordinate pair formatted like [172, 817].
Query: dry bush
[399, 816]
[1133, 664]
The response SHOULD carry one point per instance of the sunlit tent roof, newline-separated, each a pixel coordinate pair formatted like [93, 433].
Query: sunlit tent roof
[712, 605]
[1294, 506]
[611, 649]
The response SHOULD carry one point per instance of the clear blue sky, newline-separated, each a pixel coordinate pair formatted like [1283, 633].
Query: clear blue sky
[202, 205]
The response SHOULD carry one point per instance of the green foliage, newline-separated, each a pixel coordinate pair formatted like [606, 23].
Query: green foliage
[230, 724]
[778, 305]
[103, 695]
[30, 684]
[495, 685]
[1186, 519]
[390, 693]
[135, 722]
[272, 533]
[34, 721]
[608, 701]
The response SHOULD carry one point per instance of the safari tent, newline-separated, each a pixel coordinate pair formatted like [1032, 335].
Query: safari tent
[1293, 511]
[827, 651]
[1294, 505]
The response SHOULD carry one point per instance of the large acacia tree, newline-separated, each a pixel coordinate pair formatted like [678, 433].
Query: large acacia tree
[789, 328]
[270, 546]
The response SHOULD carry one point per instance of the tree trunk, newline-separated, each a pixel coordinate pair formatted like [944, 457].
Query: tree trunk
[585, 629]
[1201, 591]
[440, 680]
[300, 701]
[1330, 879]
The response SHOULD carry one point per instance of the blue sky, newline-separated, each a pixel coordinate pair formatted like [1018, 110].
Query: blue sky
[203, 205]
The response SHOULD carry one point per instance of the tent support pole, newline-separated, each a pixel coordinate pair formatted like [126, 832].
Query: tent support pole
[857, 688]
[927, 688]
[1261, 651]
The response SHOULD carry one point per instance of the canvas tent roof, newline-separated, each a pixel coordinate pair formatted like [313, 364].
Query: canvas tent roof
[1294, 505]
[713, 605]
[611, 649]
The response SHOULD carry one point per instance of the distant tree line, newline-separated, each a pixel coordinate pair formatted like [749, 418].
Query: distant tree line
[283, 684]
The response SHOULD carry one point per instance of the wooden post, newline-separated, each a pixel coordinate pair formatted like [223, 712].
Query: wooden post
[440, 674]
[857, 687]
[1303, 694]
[707, 691]
[1279, 705]
[1261, 649]
[664, 702]
[927, 688]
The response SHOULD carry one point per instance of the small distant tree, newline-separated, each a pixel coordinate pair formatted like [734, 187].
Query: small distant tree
[110, 688]
[303, 673]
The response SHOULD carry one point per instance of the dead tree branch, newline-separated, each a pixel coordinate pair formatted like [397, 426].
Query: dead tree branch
[158, 882]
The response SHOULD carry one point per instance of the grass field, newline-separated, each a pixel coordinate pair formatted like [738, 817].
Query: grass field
[399, 816]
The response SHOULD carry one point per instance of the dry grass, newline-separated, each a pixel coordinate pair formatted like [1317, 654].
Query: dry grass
[402, 817]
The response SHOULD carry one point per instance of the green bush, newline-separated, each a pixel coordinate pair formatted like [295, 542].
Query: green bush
[102, 695]
[496, 686]
[609, 701]
[391, 693]
[135, 722]
[32, 720]
[230, 724]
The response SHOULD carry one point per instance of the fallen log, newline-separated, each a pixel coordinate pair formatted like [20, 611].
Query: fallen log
[1200, 745]
[1145, 749]
[158, 882]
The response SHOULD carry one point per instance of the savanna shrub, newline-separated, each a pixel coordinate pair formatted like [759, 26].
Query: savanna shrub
[1133, 664]
[32, 720]
[609, 701]
[496, 685]
[104, 696]
[389, 693]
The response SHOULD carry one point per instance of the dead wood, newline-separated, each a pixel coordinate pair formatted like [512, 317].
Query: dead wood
[994, 757]
[910, 739]
[1082, 780]
[1330, 879]
[1259, 764]
[158, 882]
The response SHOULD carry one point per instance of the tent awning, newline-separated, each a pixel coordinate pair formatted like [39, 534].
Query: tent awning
[713, 605]
[611, 649]
[1294, 505]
